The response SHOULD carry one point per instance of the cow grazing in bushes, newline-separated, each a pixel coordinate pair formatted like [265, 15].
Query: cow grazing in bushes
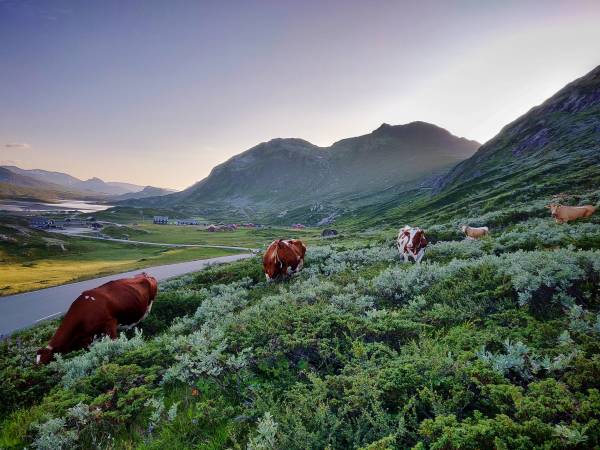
[411, 243]
[564, 214]
[475, 232]
[283, 258]
[100, 311]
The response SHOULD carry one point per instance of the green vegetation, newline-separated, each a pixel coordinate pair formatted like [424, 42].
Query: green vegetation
[31, 259]
[491, 344]
[486, 344]
[242, 237]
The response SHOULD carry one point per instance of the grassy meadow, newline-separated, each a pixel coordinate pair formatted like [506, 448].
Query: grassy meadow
[489, 344]
[84, 259]
[190, 234]
[32, 259]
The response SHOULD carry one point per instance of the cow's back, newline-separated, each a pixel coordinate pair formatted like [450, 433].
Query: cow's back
[126, 300]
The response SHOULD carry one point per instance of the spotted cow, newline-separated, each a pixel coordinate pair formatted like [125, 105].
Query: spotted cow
[411, 243]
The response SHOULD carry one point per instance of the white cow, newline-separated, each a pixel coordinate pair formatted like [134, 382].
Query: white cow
[411, 243]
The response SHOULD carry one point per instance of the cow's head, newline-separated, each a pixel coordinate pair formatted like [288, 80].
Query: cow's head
[416, 240]
[272, 264]
[553, 207]
[419, 240]
[152, 283]
[298, 246]
[44, 356]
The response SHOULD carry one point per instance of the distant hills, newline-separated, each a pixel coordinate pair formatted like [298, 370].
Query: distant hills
[386, 175]
[148, 191]
[274, 179]
[95, 185]
[15, 186]
[38, 184]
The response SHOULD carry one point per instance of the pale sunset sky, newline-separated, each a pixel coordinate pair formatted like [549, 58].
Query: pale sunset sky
[158, 92]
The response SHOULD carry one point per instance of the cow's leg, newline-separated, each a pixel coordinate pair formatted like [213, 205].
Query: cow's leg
[420, 256]
[405, 256]
[111, 329]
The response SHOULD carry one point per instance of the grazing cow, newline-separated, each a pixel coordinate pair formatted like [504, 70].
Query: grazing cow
[411, 242]
[564, 214]
[120, 303]
[475, 232]
[283, 258]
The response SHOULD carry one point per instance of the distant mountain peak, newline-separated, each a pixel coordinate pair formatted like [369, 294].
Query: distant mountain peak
[383, 127]
[411, 127]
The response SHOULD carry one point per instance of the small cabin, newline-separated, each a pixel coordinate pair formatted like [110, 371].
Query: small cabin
[160, 220]
[188, 222]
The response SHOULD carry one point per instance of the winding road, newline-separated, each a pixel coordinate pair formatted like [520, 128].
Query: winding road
[24, 310]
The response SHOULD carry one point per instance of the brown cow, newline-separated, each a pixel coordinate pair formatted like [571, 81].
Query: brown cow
[120, 303]
[475, 232]
[564, 214]
[283, 258]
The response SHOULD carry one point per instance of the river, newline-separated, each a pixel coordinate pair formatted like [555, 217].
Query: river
[63, 205]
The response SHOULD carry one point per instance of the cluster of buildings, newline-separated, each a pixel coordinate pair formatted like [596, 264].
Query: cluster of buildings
[44, 223]
[164, 220]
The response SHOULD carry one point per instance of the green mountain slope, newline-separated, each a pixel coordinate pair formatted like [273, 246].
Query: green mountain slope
[273, 178]
[553, 149]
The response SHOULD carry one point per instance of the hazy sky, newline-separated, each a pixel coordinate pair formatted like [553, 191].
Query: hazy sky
[159, 92]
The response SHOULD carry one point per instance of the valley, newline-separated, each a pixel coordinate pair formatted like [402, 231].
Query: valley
[487, 343]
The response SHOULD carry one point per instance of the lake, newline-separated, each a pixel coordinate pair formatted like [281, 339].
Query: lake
[63, 205]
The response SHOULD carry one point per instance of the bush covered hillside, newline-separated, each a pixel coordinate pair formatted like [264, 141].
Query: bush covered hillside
[486, 344]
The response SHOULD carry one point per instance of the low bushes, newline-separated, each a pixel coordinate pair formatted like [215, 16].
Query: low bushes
[483, 345]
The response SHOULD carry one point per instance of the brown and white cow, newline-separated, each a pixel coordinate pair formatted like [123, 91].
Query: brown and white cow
[100, 311]
[283, 258]
[475, 232]
[411, 243]
[564, 214]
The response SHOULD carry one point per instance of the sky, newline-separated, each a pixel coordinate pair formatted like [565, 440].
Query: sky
[159, 92]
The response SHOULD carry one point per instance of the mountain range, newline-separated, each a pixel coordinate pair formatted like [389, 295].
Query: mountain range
[281, 175]
[38, 184]
[379, 176]
[552, 150]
